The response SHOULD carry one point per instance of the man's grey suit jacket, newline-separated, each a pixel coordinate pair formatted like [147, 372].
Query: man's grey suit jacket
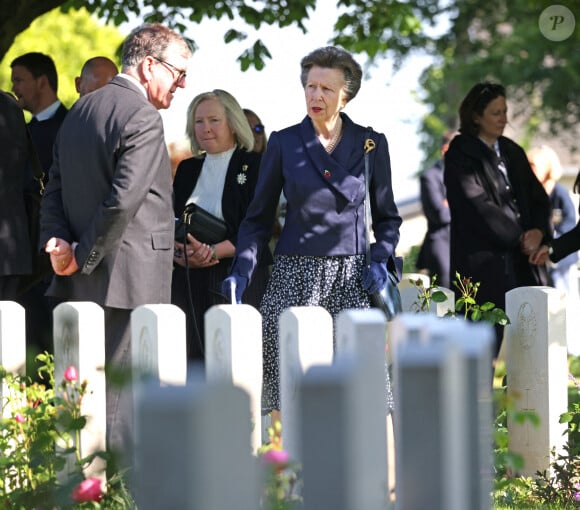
[110, 190]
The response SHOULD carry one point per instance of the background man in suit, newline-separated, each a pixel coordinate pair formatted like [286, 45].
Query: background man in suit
[15, 175]
[434, 253]
[95, 73]
[35, 84]
[108, 223]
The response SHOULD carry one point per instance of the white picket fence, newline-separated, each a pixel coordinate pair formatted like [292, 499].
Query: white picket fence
[196, 439]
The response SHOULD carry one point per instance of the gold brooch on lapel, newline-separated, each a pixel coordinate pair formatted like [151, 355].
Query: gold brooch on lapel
[242, 178]
[369, 145]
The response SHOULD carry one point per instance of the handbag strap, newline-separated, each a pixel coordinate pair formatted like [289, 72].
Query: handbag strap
[37, 171]
[369, 145]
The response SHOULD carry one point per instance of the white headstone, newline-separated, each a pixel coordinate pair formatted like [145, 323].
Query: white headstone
[426, 377]
[194, 449]
[328, 447]
[409, 291]
[12, 346]
[361, 337]
[233, 353]
[537, 372]
[471, 407]
[158, 344]
[306, 339]
[79, 341]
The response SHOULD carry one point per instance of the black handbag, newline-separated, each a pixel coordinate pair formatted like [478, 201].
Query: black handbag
[205, 227]
[388, 299]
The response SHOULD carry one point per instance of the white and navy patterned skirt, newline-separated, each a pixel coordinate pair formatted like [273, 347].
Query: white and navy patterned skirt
[333, 283]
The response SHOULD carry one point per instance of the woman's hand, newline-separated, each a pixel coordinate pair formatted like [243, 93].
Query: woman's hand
[531, 241]
[198, 254]
[540, 256]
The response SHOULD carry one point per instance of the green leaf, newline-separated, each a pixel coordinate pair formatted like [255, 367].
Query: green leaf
[439, 296]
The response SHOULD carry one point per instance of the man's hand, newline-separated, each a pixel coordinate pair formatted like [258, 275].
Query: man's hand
[62, 256]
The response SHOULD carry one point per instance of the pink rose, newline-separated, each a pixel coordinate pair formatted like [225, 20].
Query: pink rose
[71, 374]
[275, 457]
[19, 417]
[88, 490]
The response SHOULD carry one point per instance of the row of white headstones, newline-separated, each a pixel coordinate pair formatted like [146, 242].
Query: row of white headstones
[196, 436]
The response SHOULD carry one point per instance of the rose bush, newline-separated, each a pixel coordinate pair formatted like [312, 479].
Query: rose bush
[38, 434]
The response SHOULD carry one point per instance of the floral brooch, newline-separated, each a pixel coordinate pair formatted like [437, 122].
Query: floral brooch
[242, 178]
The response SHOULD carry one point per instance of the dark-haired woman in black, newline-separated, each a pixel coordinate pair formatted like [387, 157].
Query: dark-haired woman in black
[500, 213]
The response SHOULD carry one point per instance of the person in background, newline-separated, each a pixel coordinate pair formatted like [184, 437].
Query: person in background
[220, 178]
[35, 85]
[500, 213]
[107, 214]
[15, 177]
[434, 253]
[320, 257]
[258, 130]
[564, 274]
[95, 73]
[556, 249]
[261, 140]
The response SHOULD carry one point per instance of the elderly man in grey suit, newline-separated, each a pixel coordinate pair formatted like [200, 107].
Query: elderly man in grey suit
[107, 216]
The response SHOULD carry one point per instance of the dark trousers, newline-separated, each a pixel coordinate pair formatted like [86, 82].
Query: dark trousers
[119, 394]
[9, 287]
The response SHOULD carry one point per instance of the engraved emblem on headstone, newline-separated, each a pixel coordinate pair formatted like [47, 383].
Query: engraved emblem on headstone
[527, 327]
[221, 355]
[145, 357]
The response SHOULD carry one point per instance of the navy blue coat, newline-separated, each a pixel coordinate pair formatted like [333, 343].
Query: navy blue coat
[325, 193]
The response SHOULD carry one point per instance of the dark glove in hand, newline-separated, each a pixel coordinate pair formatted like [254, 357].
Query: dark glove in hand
[374, 277]
[240, 282]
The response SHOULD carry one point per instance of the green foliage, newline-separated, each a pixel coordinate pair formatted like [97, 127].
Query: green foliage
[500, 40]
[427, 295]
[80, 37]
[465, 305]
[555, 488]
[410, 259]
[39, 432]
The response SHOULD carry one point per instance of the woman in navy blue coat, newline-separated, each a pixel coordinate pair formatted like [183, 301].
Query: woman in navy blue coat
[319, 164]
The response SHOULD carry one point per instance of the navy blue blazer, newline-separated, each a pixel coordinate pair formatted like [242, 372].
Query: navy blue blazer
[325, 193]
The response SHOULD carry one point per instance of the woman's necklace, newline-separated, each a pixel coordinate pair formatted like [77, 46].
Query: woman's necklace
[329, 147]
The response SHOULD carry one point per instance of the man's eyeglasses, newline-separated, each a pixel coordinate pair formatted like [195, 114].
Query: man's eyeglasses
[182, 74]
[258, 128]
